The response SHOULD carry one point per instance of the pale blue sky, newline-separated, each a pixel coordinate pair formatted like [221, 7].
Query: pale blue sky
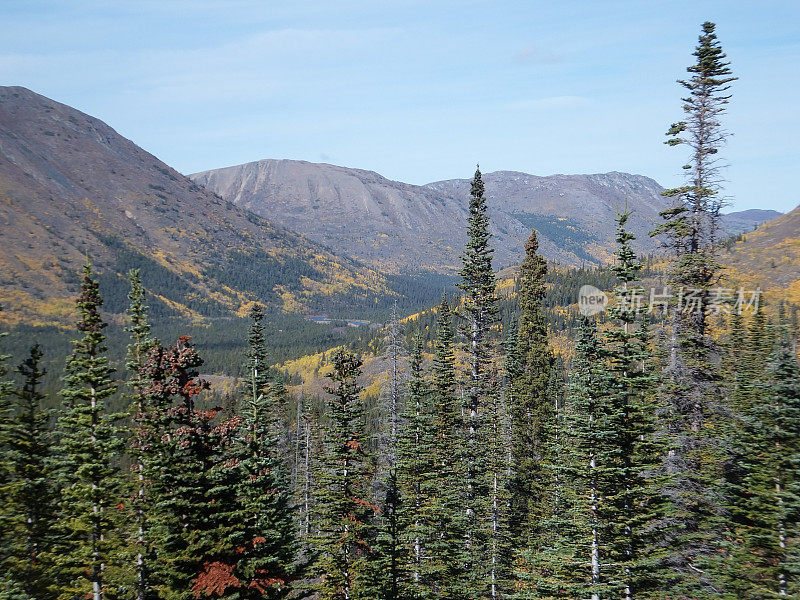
[418, 90]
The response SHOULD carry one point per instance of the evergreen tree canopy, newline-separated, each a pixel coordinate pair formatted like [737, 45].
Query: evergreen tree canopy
[28, 515]
[87, 444]
[531, 409]
[446, 550]
[345, 509]
[480, 305]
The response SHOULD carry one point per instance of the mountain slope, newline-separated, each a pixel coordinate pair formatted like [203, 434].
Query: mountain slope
[71, 186]
[745, 221]
[383, 222]
[769, 258]
[405, 228]
[574, 214]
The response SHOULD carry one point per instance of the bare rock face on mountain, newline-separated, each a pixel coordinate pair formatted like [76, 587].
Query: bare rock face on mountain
[71, 186]
[400, 227]
[573, 214]
[383, 222]
[405, 227]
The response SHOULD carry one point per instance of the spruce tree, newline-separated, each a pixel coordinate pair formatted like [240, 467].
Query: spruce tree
[419, 484]
[446, 550]
[256, 366]
[272, 387]
[87, 443]
[184, 448]
[480, 307]
[632, 506]
[262, 531]
[566, 563]
[345, 509]
[139, 329]
[692, 378]
[531, 409]
[138, 349]
[28, 514]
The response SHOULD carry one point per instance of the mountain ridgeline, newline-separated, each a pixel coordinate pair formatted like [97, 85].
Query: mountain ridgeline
[71, 186]
[278, 232]
[399, 227]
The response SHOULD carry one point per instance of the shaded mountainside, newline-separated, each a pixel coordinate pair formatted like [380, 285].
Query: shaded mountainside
[406, 228]
[70, 186]
[769, 257]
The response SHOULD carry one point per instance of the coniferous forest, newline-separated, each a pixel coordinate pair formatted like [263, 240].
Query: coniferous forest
[655, 455]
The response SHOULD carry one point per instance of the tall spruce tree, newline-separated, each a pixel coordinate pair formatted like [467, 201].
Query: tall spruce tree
[87, 443]
[446, 550]
[692, 379]
[345, 509]
[28, 510]
[531, 409]
[261, 528]
[419, 484]
[631, 508]
[138, 349]
[480, 307]
[272, 387]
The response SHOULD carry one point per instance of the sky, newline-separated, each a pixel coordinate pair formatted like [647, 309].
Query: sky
[419, 90]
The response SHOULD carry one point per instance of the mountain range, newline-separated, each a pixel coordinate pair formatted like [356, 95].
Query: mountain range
[399, 227]
[297, 236]
[72, 187]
